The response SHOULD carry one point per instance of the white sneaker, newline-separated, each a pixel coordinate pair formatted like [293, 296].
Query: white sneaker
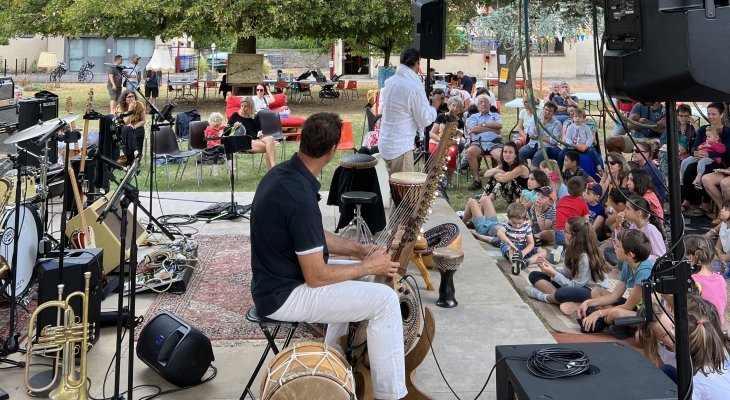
[460, 214]
[556, 254]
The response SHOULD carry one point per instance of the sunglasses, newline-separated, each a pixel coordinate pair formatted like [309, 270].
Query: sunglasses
[131, 96]
[639, 151]
[613, 162]
[259, 90]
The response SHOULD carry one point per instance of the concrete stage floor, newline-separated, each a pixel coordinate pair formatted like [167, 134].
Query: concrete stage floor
[489, 313]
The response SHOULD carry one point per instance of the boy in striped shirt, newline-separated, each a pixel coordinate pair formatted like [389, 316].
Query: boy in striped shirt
[517, 243]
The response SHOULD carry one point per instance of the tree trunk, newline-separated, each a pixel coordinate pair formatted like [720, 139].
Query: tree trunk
[246, 45]
[387, 49]
[507, 90]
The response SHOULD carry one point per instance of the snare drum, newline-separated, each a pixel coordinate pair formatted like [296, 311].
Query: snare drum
[28, 238]
[308, 370]
[404, 184]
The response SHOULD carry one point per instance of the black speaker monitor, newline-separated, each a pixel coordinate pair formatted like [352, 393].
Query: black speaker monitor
[30, 111]
[178, 352]
[75, 263]
[667, 50]
[616, 371]
[430, 28]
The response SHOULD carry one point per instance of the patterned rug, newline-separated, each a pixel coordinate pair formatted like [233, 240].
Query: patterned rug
[22, 314]
[218, 294]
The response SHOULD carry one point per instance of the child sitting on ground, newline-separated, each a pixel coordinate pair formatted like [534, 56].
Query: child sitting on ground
[550, 168]
[216, 124]
[483, 216]
[711, 286]
[722, 232]
[711, 145]
[649, 224]
[632, 249]
[535, 180]
[584, 270]
[571, 167]
[570, 206]
[596, 212]
[542, 215]
[517, 243]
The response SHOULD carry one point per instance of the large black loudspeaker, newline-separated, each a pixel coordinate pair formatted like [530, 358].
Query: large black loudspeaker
[178, 352]
[41, 108]
[667, 50]
[75, 263]
[610, 363]
[430, 28]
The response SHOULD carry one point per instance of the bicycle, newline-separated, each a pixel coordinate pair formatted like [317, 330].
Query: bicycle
[85, 73]
[58, 72]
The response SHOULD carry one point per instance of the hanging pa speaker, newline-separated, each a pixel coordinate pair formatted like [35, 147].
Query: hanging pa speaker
[178, 352]
[430, 28]
[661, 50]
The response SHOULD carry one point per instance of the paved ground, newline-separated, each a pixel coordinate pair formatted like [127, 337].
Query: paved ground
[490, 313]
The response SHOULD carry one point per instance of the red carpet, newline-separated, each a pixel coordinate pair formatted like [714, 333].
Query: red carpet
[218, 294]
[22, 315]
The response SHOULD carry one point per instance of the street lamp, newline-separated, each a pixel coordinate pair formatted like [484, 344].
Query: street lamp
[215, 71]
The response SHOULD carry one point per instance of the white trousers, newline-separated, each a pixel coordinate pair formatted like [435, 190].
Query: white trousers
[353, 301]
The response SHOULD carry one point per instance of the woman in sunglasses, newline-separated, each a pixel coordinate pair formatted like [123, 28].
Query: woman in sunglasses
[616, 173]
[263, 97]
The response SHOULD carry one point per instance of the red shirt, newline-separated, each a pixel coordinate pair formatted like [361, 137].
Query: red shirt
[213, 131]
[569, 207]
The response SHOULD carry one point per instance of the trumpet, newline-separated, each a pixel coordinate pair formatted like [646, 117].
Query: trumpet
[4, 267]
[61, 343]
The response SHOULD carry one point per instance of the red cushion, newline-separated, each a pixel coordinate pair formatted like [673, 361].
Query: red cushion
[233, 103]
[279, 101]
[292, 122]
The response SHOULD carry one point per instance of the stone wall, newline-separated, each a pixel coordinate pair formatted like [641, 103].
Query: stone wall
[293, 58]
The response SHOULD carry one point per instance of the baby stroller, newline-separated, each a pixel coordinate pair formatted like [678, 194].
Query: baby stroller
[328, 91]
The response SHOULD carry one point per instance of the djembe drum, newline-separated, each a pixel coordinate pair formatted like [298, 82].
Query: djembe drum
[447, 260]
[405, 184]
[444, 235]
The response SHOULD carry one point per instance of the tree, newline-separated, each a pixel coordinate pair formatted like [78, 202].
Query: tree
[505, 25]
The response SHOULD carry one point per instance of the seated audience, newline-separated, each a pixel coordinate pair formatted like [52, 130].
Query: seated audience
[638, 182]
[516, 241]
[647, 223]
[263, 97]
[554, 91]
[532, 150]
[462, 95]
[484, 134]
[686, 132]
[535, 180]
[616, 174]
[246, 123]
[711, 145]
[645, 114]
[643, 156]
[571, 167]
[580, 138]
[562, 101]
[509, 178]
[525, 123]
[711, 286]
[584, 270]
[632, 249]
[455, 107]
[596, 212]
[550, 168]
[483, 216]
[570, 206]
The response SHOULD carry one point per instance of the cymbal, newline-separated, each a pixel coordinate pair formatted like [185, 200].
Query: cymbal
[40, 129]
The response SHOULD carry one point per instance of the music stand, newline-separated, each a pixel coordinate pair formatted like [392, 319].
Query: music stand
[233, 144]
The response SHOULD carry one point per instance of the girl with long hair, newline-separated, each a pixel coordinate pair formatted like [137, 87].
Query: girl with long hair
[710, 285]
[636, 214]
[639, 182]
[615, 174]
[584, 270]
[132, 132]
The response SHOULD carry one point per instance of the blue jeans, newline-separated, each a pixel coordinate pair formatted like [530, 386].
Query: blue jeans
[552, 151]
[563, 294]
[559, 237]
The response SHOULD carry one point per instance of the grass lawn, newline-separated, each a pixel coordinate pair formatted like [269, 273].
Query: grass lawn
[249, 173]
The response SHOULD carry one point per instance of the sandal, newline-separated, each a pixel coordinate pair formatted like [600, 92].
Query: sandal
[697, 212]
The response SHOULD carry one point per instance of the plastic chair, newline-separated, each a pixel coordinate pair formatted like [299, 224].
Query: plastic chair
[340, 88]
[197, 141]
[305, 90]
[352, 88]
[166, 148]
[347, 142]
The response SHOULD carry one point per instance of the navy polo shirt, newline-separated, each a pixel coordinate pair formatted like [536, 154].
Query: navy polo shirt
[285, 222]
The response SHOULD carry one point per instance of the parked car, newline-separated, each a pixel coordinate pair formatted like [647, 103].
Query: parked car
[221, 61]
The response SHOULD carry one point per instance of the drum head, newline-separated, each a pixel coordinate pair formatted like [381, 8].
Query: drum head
[409, 178]
[310, 387]
[28, 237]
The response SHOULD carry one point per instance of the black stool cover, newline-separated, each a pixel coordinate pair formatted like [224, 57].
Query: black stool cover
[365, 180]
[355, 198]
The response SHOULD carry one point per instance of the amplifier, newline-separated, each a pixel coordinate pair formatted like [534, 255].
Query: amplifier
[609, 361]
[75, 263]
[30, 111]
[9, 114]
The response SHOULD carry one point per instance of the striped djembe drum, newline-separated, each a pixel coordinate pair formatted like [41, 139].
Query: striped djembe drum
[447, 260]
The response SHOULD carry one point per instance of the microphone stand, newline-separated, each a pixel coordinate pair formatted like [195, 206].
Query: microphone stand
[125, 195]
[156, 116]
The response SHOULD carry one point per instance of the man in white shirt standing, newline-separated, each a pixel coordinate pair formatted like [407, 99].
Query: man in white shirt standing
[405, 112]
[133, 73]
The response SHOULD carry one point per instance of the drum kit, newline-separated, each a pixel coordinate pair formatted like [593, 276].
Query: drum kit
[23, 196]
